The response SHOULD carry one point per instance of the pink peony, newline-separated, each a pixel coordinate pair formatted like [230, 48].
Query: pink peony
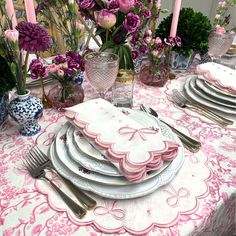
[106, 19]
[12, 35]
[125, 5]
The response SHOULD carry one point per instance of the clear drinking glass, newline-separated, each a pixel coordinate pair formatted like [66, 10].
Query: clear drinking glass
[101, 70]
[219, 43]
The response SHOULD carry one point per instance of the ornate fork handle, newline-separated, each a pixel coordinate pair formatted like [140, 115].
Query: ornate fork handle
[77, 209]
[209, 114]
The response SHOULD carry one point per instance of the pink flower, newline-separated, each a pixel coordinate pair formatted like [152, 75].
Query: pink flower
[71, 1]
[148, 39]
[148, 33]
[155, 53]
[52, 68]
[12, 35]
[60, 72]
[219, 29]
[158, 40]
[217, 16]
[79, 26]
[125, 5]
[106, 19]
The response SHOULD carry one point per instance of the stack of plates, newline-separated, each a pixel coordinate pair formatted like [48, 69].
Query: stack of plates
[34, 83]
[207, 94]
[75, 159]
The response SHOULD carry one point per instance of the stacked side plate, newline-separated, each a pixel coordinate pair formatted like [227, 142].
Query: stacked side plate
[74, 158]
[35, 83]
[205, 93]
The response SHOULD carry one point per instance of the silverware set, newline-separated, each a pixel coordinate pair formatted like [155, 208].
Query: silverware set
[189, 143]
[181, 101]
[36, 162]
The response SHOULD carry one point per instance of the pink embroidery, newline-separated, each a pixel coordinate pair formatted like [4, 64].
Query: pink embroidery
[173, 201]
[63, 137]
[50, 139]
[133, 132]
[118, 214]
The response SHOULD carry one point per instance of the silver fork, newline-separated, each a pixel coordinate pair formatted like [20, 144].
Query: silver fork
[181, 101]
[37, 172]
[43, 160]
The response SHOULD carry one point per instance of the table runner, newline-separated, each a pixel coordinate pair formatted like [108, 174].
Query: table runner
[25, 211]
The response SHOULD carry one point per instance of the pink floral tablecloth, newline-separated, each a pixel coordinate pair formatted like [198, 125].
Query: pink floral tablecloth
[200, 200]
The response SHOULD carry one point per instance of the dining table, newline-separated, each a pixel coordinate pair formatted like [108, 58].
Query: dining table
[199, 200]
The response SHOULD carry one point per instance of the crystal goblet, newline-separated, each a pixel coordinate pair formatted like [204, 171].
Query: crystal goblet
[101, 70]
[219, 43]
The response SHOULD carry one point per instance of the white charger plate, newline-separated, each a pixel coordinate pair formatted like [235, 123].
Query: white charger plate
[199, 92]
[85, 160]
[214, 92]
[196, 98]
[128, 191]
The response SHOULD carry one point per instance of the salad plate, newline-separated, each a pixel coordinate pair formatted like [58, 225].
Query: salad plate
[85, 160]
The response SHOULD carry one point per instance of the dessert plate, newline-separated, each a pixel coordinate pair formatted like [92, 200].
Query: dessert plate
[214, 91]
[196, 98]
[199, 92]
[85, 160]
[64, 156]
[86, 147]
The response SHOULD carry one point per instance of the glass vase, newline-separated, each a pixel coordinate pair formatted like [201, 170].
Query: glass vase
[154, 74]
[66, 95]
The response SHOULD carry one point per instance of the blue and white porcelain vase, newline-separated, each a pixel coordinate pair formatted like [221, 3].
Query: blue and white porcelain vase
[25, 110]
[180, 62]
[4, 100]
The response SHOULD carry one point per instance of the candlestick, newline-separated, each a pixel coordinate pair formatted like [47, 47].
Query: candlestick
[158, 4]
[30, 11]
[175, 18]
[11, 13]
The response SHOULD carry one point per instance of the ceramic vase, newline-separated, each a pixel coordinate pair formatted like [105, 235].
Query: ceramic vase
[26, 110]
[4, 100]
[180, 62]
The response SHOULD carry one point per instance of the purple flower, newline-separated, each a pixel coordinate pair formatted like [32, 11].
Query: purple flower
[138, 4]
[74, 61]
[146, 14]
[132, 22]
[143, 48]
[86, 4]
[59, 59]
[170, 41]
[69, 71]
[118, 39]
[37, 69]
[134, 39]
[113, 6]
[134, 53]
[33, 37]
[178, 41]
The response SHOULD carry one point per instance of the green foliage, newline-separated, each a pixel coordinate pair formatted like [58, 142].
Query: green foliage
[7, 79]
[193, 29]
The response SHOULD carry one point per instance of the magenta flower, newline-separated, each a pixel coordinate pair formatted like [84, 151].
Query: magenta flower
[146, 14]
[113, 6]
[59, 59]
[33, 37]
[132, 22]
[143, 48]
[86, 4]
[134, 53]
[37, 69]
[125, 5]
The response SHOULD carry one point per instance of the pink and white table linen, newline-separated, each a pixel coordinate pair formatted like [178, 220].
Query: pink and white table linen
[200, 200]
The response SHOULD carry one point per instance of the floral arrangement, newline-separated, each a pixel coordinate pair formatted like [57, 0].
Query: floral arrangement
[63, 15]
[117, 21]
[17, 44]
[221, 19]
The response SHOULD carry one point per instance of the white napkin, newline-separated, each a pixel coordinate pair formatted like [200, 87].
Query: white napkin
[221, 76]
[134, 149]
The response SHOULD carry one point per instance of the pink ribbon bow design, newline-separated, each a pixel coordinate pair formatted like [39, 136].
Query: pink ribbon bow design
[118, 214]
[133, 132]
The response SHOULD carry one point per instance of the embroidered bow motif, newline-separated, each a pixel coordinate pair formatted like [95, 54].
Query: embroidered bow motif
[173, 201]
[50, 139]
[116, 213]
[133, 132]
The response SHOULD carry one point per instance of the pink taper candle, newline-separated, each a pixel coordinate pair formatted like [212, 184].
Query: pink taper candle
[30, 11]
[175, 18]
[11, 13]
[158, 4]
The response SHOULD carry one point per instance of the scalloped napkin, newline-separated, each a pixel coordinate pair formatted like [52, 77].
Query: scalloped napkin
[132, 148]
[221, 76]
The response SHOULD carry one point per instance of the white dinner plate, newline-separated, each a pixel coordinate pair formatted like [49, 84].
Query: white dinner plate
[196, 98]
[199, 92]
[128, 191]
[216, 93]
[85, 160]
